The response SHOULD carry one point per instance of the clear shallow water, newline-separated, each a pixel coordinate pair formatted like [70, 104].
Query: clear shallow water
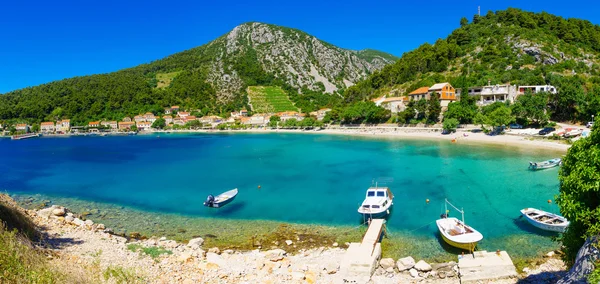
[312, 179]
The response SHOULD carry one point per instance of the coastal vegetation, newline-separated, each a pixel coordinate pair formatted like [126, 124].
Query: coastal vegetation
[579, 197]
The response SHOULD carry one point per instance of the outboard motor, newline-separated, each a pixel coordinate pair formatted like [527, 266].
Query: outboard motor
[210, 200]
[444, 216]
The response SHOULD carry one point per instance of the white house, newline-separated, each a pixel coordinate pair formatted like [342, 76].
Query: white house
[63, 125]
[183, 114]
[284, 116]
[110, 124]
[22, 127]
[320, 114]
[150, 117]
[168, 119]
[537, 89]
[47, 127]
[395, 104]
[378, 101]
[143, 126]
[492, 93]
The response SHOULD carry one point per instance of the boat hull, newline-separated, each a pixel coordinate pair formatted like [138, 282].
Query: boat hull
[465, 246]
[223, 203]
[369, 215]
[546, 227]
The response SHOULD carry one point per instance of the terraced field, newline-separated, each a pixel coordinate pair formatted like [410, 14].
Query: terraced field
[268, 99]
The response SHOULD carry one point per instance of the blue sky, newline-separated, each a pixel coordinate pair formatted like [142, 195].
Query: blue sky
[51, 40]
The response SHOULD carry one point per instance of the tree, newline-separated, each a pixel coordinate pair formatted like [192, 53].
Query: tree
[434, 109]
[35, 127]
[579, 193]
[291, 123]
[194, 124]
[534, 107]
[450, 124]
[463, 112]
[464, 22]
[133, 128]
[159, 123]
[308, 122]
[500, 116]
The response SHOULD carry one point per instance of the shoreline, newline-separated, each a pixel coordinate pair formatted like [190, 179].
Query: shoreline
[93, 248]
[461, 136]
[399, 133]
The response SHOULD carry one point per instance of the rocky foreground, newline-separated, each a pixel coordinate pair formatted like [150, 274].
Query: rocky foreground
[159, 260]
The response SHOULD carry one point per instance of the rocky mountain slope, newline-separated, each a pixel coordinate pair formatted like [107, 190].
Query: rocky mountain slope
[211, 78]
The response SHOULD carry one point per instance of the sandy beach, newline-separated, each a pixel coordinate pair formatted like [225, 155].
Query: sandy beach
[460, 137]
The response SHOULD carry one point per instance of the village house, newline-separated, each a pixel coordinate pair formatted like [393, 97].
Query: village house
[486, 95]
[47, 127]
[143, 126]
[94, 124]
[395, 104]
[446, 93]
[537, 89]
[168, 119]
[179, 121]
[238, 114]
[22, 127]
[126, 119]
[183, 114]
[284, 116]
[189, 118]
[210, 119]
[378, 101]
[419, 94]
[150, 117]
[174, 109]
[110, 124]
[63, 125]
[167, 110]
[126, 125]
[139, 118]
[320, 114]
[256, 120]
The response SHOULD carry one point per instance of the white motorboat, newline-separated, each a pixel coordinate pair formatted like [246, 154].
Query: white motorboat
[377, 203]
[221, 199]
[545, 164]
[456, 232]
[545, 220]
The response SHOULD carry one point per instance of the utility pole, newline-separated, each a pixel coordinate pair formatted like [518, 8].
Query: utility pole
[479, 11]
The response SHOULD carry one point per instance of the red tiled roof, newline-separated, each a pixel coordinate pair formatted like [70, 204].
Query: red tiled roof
[49, 123]
[420, 91]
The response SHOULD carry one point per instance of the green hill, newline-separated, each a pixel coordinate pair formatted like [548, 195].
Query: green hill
[510, 46]
[211, 78]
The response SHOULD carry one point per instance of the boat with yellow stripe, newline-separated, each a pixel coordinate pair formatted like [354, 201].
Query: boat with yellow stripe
[456, 232]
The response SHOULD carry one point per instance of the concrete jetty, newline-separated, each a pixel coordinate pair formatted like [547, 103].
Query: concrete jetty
[485, 266]
[362, 258]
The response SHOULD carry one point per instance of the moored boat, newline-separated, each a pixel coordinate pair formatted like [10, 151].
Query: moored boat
[24, 136]
[221, 199]
[545, 220]
[545, 164]
[456, 232]
[377, 203]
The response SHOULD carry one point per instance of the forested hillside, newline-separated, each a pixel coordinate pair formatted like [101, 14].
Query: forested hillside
[510, 46]
[211, 78]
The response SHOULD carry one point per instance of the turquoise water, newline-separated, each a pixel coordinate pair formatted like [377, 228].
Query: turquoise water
[313, 179]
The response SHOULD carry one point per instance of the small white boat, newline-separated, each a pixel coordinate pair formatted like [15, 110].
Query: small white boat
[456, 232]
[221, 199]
[573, 133]
[377, 203]
[545, 220]
[545, 164]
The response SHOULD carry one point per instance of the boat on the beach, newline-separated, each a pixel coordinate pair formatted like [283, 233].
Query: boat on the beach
[377, 203]
[573, 133]
[545, 220]
[545, 164]
[221, 199]
[456, 232]
[24, 136]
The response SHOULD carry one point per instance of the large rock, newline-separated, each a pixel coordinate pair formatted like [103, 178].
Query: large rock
[405, 263]
[69, 219]
[588, 255]
[185, 257]
[387, 263]
[215, 258]
[197, 241]
[59, 211]
[47, 212]
[422, 266]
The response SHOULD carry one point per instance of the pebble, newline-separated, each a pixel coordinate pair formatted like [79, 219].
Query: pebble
[289, 242]
[413, 272]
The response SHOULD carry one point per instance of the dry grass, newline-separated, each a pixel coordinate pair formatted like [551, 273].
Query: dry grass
[165, 79]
